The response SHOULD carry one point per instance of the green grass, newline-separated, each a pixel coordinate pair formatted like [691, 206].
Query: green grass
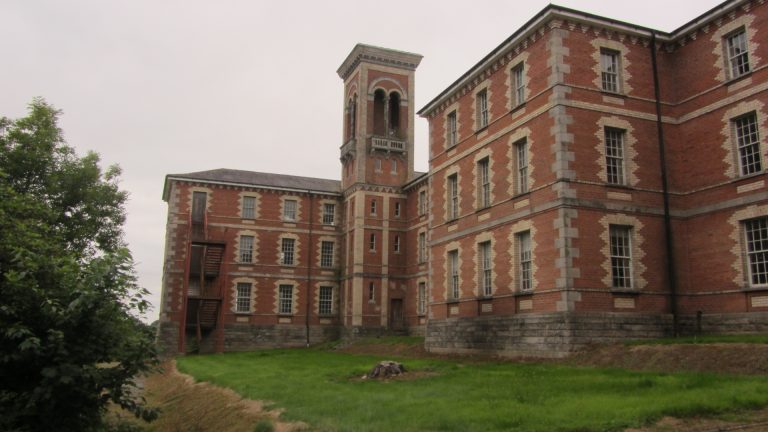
[704, 339]
[324, 390]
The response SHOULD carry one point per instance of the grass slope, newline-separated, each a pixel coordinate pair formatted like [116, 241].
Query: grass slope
[323, 389]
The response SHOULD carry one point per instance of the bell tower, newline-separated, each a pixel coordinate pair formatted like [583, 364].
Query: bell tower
[376, 161]
[377, 146]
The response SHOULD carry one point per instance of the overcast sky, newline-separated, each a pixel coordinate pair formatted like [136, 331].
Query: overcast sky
[163, 87]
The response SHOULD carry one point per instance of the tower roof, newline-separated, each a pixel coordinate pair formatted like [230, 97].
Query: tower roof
[378, 55]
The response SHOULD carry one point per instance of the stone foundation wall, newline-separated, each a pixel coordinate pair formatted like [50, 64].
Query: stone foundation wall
[167, 338]
[246, 337]
[541, 335]
[732, 323]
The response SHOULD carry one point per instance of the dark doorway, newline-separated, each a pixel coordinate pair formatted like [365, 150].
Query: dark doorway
[396, 315]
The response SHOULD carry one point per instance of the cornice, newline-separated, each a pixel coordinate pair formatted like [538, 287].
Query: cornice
[376, 55]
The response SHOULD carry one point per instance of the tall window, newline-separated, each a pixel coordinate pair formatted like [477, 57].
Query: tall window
[326, 254]
[621, 256]
[371, 292]
[249, 207]
[422, 202]
[453, 197]
[518, 86]
[325, 305]
[453, 274]
[757, 250]
[377, 164]
[484, 183]
[246, 249]
[289, 210]
[393, 166]
[243, 301]
[422, 247]
[482, 109]
[421, 307]
[285, 299]
[373, 207]
[287, 248]
[352, 112]
[521, 175]
[329, 213]
[486, 282]
[372, 243]
[198, 206]
[524, 260]
[452, 130]
[748, 144]
[397, 244]
[397, 209]
[738, 55]
[609, 68]
[614, 156]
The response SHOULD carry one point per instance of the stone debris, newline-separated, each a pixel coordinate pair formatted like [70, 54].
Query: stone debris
[385, 369]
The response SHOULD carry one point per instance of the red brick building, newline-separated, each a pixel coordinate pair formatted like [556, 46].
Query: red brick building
[589, 180]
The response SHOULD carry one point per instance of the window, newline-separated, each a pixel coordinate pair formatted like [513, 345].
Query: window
[524, 260]
[614, 156]
[249, 207]
[243, 302]
[482, 109]
[738, 55]
[373, 242]
[352, 112]
[421, 306]
[289, 210]
[521, 153]
[453, 274]
[397, 209]
[609, 68]
[377, 165]
[757, 250]
[371, 292]
[246, 249]
[397, 244]
[748, 144]
[373, 207]
[286, 300]
[484, 183]
[287, 249]
[422, 203]
[326, 254]
[518, 86]
[198, 206]
[452, 131]
[453, 197]
[486, 286]
[325, 305]
[329, 213]
[394, 166]
[621, 256]
[422, 247]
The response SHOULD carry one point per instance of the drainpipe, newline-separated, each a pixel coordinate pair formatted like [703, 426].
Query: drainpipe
[309, 267]
[667, 218]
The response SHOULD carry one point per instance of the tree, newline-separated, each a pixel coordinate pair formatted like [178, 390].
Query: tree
[69, 340]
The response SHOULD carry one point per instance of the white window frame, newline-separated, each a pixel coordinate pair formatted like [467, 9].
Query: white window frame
[620, 251]
[371, 292]
[737, 53]
[521, 171]
[486, 268]
[249, 207]
[372, 242]
[524, 261]
[422, 247]
[451, 126]
[454, 289]
[615, 150]
[756, 249]
[748, 151]
[288, 251]
[518, 85]
[373, 207]
[246, 248]
[243, 297]
[421, 305]
[393, 166]
[484, 182]
[396, 244]
[397, 209]
[325, 301]
[290, 208]
[610, 70]
[453, 197]
[482, 109]
[422, 202]
[326, 253]
[285, 299]
[329, 214]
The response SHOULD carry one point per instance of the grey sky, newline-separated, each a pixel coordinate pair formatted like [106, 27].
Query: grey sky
[178, 86]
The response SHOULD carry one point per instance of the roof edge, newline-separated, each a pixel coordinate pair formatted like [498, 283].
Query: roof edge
[177, 177]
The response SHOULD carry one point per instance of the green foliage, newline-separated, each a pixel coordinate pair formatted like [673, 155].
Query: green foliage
[324, 389]
[69, 342]
[264, 426]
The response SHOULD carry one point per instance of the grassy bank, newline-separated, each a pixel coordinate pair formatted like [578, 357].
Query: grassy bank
[324, 390]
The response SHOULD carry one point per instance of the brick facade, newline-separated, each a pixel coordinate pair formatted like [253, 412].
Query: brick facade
[542, 216]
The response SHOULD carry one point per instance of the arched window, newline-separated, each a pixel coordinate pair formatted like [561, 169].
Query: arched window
[351, 116]
[394, 114]
[379, 108]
